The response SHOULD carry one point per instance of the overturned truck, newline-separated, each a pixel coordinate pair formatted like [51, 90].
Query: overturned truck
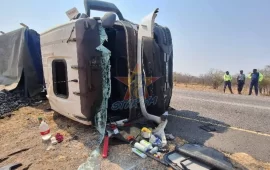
[92, 64]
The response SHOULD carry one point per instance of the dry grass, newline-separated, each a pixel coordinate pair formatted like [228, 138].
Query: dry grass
[246, 162]
[21, 131]
[199, 87]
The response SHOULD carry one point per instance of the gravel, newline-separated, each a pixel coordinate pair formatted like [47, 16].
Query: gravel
[13, 100]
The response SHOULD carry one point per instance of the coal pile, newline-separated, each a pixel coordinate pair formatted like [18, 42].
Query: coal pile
[13, 100]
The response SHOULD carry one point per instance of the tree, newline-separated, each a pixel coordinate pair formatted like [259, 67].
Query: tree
[216, 77]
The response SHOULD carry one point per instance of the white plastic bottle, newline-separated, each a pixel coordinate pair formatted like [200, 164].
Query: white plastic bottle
[140, 147]
[138, 152]
[44, 129]
[146, 144]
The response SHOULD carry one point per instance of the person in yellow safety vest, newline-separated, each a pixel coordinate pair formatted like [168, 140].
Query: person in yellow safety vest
[255, 77]
[227, 81]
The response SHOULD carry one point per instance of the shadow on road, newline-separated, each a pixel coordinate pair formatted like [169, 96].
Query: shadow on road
[189, 126]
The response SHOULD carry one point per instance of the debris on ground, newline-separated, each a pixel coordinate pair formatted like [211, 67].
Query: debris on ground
[13, 100]
[11, 166]
[193, 156]
[59, 137]
[208, 128]
[79, 140]
[23, 130]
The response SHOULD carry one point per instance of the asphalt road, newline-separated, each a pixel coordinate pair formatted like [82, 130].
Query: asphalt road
[242, 123]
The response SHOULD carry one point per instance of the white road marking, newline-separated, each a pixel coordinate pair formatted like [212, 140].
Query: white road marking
[223, 102]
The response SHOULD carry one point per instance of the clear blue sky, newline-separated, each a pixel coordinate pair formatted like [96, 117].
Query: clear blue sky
[227, 35]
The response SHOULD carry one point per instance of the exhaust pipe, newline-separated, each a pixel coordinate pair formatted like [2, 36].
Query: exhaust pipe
[101, 6]
[148, 22]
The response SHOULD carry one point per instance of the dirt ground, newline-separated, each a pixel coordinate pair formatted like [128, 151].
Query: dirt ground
[199, 87]
[20, 131]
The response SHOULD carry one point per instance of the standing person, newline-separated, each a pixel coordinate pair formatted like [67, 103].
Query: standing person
[255, 77]
[228, 81]
[241, 78]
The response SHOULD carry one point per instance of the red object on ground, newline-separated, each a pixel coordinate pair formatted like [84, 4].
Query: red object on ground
[127, 124]
[59, 137]
[129, 138]
[113, 126]
[105, 146]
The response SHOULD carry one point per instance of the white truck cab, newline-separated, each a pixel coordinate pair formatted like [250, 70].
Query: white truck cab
[90, 56]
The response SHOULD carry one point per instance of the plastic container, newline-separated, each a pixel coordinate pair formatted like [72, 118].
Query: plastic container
[44, 129]
[146, 144]
[154, 150]
[140, 147]
[146, 133]
[138, 152]
[121, 122]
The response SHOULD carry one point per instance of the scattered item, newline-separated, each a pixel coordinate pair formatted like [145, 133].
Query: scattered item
[140, 147]
[19, 151]
[152, 139]
[36, 103]
[105, 146]
[166, 113]
[155, 140]
[169, 137]
[114, 129]
[146, 133]
[163, 150]
[121, 122]
[182, 162]
[13, 153]
[130, 138]
[157, 159]
[44, 129]
[59, 137]
[197, 157]
[208, 128]
[11, 166]
[146, 144]
[54, 141]
[157, 155]
[154, 150]
[159, 131]
[138, 152]
[50, 148]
